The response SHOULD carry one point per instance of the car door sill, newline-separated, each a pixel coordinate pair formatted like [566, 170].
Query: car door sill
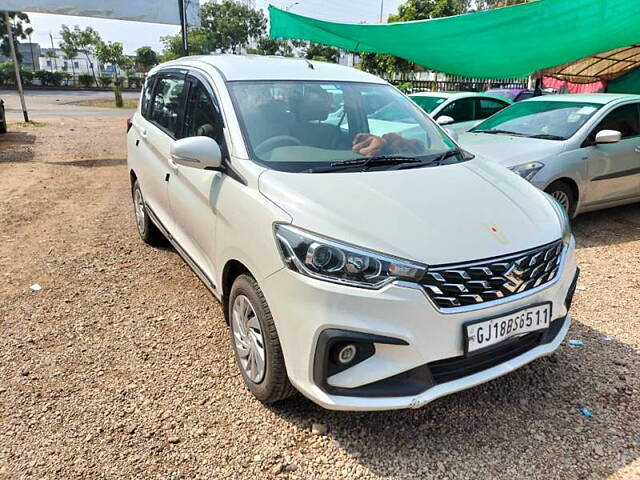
[185, 256]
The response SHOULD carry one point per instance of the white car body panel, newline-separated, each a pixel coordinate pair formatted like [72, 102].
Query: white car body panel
[440, 215]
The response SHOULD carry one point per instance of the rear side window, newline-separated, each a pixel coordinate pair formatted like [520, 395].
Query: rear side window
[169, 96]
[146, 97]
[487, 107]
[624, 119]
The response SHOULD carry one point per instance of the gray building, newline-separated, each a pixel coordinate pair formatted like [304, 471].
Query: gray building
[30, 53]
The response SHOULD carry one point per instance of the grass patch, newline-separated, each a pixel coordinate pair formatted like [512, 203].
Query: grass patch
[32, 123]
[103, 103]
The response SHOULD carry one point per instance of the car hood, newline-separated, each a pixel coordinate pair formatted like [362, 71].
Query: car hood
[434, 215]
[507, 150]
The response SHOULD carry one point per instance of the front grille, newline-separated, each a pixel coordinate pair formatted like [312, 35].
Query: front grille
[483, 281]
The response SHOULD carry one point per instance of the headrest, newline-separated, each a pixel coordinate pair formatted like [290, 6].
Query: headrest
[313, 103]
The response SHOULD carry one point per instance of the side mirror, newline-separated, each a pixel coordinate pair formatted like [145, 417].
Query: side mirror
[452, 133]
[444, 120]
[197, 152]
[608, 136]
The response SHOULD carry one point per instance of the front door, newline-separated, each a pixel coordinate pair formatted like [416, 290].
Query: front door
[193, 192]
[614, 168]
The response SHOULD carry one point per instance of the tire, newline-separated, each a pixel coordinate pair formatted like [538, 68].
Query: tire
[270, 383]
[146, 228]
[565, 196]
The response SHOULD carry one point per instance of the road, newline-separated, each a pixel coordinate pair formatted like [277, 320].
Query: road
[121, 366]
[43, 104]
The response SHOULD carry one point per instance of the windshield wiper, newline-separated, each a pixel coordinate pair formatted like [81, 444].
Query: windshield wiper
[500, 132]
[437, 160]
[364, 163]
[547, 136]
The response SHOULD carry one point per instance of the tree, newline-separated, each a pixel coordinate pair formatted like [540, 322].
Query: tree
[198, 44]
[19, 22]
[146, 58]
[273, 46]
[489, 4]
[323, 53]
[230, 26]
[68, 46]
[113, 53]
[86, 40]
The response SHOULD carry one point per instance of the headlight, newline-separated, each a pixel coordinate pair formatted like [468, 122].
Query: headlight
[563, 217]
[325, 259]
[528, 170]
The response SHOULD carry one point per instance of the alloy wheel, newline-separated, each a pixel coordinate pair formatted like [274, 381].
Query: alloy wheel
[138, 205]
[248, 338]
[562, 198]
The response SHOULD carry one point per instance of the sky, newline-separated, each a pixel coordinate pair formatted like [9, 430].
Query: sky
[136, 34]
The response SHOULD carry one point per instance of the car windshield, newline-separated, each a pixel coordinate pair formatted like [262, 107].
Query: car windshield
[550, 120]
[301, 126]
[428, 104]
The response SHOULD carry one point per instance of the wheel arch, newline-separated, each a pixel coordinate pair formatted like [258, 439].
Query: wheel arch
[232, 270]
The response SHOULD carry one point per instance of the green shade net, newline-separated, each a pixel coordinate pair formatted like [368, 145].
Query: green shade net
[507, 42]
[629, 83]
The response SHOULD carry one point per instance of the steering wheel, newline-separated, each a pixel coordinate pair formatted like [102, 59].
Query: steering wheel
[275, 142]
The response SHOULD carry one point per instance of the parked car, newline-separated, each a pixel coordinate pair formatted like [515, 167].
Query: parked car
[459, 111]
[365, 281]
[516, 94]
[3, 118]
[584, 150]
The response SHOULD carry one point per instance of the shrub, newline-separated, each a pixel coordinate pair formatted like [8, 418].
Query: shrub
[134, 82]
[85, 79]
[65, 77]
[27, 77]
[105, 80]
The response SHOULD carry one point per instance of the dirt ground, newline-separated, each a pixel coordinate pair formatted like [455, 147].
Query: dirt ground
[121, 367]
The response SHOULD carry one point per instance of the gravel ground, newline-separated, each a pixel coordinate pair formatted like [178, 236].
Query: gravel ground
[121, 367]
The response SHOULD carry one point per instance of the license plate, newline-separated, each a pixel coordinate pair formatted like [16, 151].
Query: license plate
[485, 333]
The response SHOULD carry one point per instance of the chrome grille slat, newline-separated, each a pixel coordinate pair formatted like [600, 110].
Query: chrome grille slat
[479, 282]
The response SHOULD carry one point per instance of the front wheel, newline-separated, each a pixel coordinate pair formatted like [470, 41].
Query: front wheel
[255, 342]
[564, 195]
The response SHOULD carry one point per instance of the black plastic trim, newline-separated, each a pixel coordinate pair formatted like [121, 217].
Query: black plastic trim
[323, 365]
[624, 173]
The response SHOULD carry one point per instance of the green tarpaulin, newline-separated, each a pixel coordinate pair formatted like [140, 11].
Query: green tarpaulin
[630, 83]
[507, 42]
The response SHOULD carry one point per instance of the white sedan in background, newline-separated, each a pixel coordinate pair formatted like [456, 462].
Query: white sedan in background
[459, 111]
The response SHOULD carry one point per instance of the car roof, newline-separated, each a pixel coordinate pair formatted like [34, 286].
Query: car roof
[454, 95]
[262, 67]
[601, 98]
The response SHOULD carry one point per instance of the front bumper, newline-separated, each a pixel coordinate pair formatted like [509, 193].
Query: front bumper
[304, 308]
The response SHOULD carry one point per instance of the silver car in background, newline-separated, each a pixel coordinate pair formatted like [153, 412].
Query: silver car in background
[584, 150]
[459, 111]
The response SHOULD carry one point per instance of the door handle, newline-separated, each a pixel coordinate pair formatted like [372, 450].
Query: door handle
[143, 134]
[172, 164]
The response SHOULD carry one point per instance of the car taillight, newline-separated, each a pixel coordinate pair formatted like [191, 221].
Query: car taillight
[129, 123]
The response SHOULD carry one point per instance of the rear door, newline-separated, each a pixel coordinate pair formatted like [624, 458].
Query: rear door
[163, 127]
[193, 192]
[614, 169]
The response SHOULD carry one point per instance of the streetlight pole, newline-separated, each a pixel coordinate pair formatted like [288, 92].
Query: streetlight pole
[16, 65]
[381, 9]
[183, 27]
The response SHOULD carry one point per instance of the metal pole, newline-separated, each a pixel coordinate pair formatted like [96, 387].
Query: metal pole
[16, 65]
[53, 50]
[381, 10]
[183, 26]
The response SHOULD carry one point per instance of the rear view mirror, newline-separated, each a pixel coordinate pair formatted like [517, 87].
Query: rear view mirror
[608, 136]
[197, 152]
[444, 120]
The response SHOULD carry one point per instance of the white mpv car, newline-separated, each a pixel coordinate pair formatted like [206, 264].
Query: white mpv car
[367, 271]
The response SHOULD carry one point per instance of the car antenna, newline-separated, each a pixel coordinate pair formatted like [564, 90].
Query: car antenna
[309, 64]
